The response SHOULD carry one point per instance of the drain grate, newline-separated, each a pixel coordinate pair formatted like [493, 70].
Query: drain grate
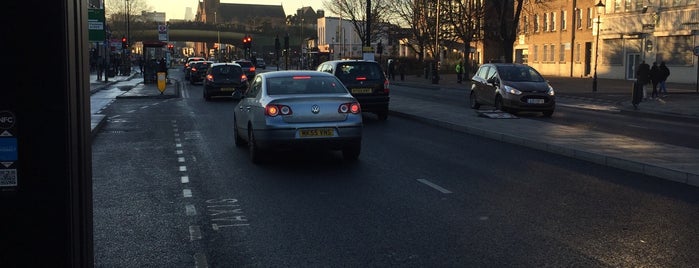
[496, 114]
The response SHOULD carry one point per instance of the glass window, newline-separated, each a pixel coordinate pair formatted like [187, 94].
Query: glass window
[304, 85]
[564, 20]
[562, 53]
[578, 18]
[553, 21]
[676, 50]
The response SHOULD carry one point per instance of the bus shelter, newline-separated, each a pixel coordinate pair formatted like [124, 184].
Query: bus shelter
[153, 51]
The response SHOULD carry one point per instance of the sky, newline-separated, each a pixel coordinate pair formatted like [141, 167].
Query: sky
[175, 9]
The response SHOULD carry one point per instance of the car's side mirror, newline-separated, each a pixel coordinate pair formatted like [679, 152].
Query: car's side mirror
[492, 80]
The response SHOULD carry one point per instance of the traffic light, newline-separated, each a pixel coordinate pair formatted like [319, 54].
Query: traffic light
[247, 42]
[124, 44]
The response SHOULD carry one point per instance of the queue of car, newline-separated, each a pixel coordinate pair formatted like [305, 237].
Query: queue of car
[322, 108]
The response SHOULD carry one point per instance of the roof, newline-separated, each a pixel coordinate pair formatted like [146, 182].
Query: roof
[245, 12]
[287, 73]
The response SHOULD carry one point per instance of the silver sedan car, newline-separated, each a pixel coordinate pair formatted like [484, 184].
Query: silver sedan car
[298, 109]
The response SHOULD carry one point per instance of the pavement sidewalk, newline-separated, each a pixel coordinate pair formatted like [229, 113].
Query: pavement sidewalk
[674, 163]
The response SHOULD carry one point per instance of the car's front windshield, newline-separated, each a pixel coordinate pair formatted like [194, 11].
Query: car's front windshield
[519, 74]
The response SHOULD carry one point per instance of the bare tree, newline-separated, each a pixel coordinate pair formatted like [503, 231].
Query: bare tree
[412, 15]
[116, 11]
[355, 12]
[464, 18]
[509, 12]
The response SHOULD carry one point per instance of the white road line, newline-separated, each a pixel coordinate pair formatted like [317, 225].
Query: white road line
[435, 186]
[187, 193]
[184, 179]
[180, 159]
[178, 145]
[194, 232]
[183, 168]
[179, 152]
[200, 260]
[190, 210]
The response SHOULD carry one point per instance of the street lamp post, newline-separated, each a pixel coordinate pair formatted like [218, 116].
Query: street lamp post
[600, 9]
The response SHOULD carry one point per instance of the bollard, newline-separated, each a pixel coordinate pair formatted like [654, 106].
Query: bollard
[162, 79]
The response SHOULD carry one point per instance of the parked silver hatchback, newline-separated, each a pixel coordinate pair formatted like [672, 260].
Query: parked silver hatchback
[512, 87]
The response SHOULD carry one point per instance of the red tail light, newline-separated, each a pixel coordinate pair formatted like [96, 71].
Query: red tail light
[385, 86]
[277, 109]
[352, 107]
[210, 77]
[243, 78]
[360, 78]
[252, 69]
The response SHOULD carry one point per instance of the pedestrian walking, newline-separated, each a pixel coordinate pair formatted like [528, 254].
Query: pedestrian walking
[665, 73]
[643, 77]
[655, 76]
[391, 70]
[100, 68]
[401, 70]
[459, 72]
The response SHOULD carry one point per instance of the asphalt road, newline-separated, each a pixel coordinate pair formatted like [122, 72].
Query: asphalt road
[171, 190]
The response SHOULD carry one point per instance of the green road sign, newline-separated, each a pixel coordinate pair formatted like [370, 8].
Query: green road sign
[95, 24]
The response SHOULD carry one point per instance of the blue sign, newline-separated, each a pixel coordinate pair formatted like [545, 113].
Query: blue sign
[8, 149]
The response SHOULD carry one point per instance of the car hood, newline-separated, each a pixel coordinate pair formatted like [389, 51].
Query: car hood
[529, 86]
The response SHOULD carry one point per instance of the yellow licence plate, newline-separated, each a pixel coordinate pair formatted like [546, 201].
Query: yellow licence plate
[316, 132]
[361, 90]
[227, 89]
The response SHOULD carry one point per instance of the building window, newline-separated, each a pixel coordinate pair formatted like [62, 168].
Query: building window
[612, 51]
[553, 21]
[617, 6]
[577, 52]
[564, 20]
[674, 50]
[589, 18]
[578, 18]
[535, 53]
[551, 53]
[627, 6]
[562, 53]
[545, 54]
[546, 22]
[536, 23]
[525, 25]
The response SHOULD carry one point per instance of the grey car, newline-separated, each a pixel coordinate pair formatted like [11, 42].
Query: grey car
[512, 87]
[298, 109]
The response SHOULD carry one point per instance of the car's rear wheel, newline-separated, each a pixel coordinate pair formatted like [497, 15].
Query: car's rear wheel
[255, 152]
[548, 113]
[473, 100]
[351, 151]
[239, 141]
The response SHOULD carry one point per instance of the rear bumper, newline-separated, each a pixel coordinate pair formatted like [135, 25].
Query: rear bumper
[288, 139]
[373, 103]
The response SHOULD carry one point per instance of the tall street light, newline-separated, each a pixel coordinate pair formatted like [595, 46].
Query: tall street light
[600, 9]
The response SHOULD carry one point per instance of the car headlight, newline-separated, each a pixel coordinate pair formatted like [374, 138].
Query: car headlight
[512, 90]
[551, 92]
